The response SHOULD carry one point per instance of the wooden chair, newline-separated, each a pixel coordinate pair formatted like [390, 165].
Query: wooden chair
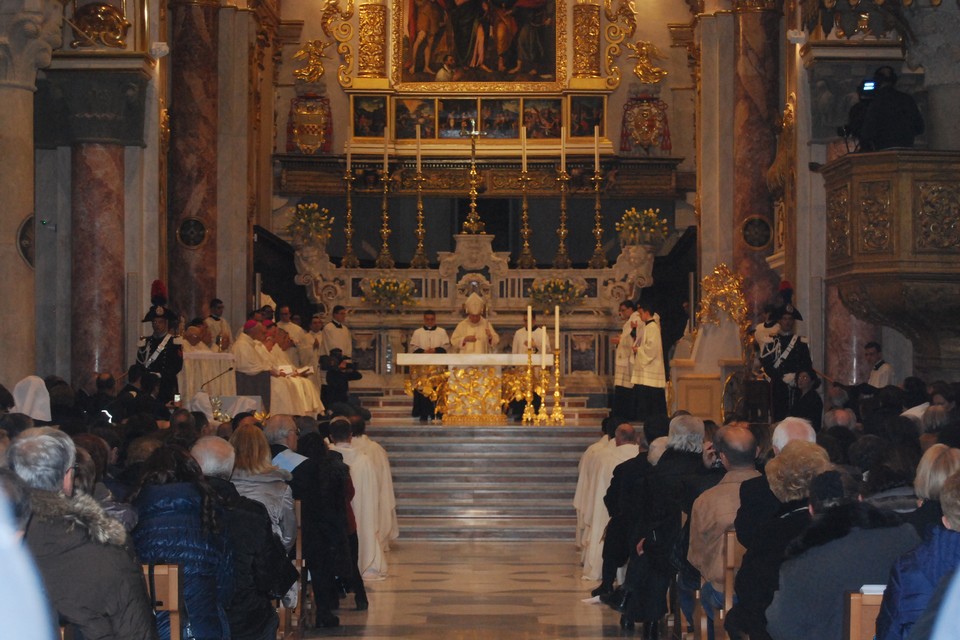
[292, 621]
[163, 587]
[732, 559]
[860, 615]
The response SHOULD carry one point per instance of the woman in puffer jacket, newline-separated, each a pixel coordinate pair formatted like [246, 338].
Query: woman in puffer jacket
[178, 524]
[256, 478]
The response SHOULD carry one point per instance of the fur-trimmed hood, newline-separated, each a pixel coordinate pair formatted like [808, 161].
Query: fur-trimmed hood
[838, 521]
[80, 513]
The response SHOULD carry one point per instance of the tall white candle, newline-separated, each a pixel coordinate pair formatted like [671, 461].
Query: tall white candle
[523, 148]
[596, 149]
[386, 151]
[529, 322]
[346, 148]
[563, 148]
[556, 328]
[418, 149]
[543, 346]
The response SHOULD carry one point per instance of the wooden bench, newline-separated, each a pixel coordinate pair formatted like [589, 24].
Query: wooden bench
[732, 559]
[163, 588]
[860, 615]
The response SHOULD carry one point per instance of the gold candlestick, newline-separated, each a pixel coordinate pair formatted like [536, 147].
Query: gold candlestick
[384, 259]
[473, 223]
[599, 258]
[419, 260]
[349, 260]
[543, 418]
[557, 416]
[562, 259]
[525, 260]
[529, 416]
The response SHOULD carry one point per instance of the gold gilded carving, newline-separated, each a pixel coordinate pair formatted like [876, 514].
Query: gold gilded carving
[586, 41]
[310, 125]
[474, 395]
[645, 53]
[372, 55]
[723, 291]
[875, 217]
[838, 223]
[313, 53]
[938, 219]
[99, 22]
[760, 5]
[622, 25]
[336, 25]
[782, 176]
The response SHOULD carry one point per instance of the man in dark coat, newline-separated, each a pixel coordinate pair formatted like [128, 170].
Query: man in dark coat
[892, 118]
[261, 570]
[91, 576]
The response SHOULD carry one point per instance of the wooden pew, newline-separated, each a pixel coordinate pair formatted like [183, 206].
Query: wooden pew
[163, 588]
[860, 615]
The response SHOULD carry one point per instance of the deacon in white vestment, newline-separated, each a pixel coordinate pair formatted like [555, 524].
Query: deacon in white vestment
[366, 501]
[475, 334]
[623, 403]
[625, 449]
[387, 526]
[427, 339]
[336, 335]
[297, 335]
[584, 478]
[219, 328]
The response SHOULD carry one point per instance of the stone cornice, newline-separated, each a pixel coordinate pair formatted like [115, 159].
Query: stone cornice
[29, 32]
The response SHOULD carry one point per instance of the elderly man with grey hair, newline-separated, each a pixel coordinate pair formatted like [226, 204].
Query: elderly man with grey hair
[757, 502]
[88, 568]
[260, 567]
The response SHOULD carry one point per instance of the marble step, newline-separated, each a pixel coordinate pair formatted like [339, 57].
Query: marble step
[458, 462]
[513, 528]
[492, 491]
[479, 477]
[496, 509]
[498, 432]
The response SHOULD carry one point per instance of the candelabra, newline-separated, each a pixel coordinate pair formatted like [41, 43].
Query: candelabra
[543, 418]
[557, 416]
[384, 259]
[599, 258]
[562, 259]
[419, 260]
[350, 260]
[529, 416]
[525, 260]
[473, 223]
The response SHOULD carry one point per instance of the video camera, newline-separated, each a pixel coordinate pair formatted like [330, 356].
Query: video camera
[865, 91]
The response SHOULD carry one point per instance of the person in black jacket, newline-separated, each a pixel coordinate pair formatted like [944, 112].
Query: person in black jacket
[339, 376]
[261, 570]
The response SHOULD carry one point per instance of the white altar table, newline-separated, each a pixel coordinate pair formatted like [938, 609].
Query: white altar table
[200, 366]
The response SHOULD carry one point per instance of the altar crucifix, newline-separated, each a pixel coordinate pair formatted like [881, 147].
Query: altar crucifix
[473, 223]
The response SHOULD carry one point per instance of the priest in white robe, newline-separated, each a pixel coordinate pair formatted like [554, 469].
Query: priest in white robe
[336, 335]
[584, 481]
[387, 527]
[475, 334]
[219, 327]
[292, 387]
[296, 333]
[366, 501]
[623, 402]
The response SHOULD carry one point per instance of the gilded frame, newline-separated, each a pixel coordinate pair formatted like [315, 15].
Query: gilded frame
[408, 112]
[499, 81]
[586, 111]
[372, 124]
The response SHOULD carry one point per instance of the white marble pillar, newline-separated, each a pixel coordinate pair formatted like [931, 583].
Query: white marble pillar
[29, 30]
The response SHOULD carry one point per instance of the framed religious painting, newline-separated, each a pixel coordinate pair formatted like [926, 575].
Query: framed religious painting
[586, 112]
[500, 117]
[542, 118]
[456, 117]
[409, 112]
[369, 116]
[479, 45]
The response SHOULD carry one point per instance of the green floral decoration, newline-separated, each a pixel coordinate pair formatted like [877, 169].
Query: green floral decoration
[642, 227]
[547, 293]
[310, 223]
[389, 294]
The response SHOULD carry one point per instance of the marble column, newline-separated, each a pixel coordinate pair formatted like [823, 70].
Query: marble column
[192, 159]
[29, 31]
[845, 339]
[97, 261]
[935, 28]
[756, 113]
[97, 112]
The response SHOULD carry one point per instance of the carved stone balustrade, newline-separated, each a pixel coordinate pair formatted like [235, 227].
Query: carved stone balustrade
[893, 248]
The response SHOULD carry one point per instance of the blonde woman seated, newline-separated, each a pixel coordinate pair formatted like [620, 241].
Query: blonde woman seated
[256, 478]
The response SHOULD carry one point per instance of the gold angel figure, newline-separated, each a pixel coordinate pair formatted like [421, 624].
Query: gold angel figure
[313, 53]
[644, 53]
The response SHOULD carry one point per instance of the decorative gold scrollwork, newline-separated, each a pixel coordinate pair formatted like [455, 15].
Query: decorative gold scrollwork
[372, 51]
[336, 25]
[622, 25]
[99, 22]
[313, 53]
[875, 219]
[723, 291]
[938, 218]
[586, 41]
[838, 223]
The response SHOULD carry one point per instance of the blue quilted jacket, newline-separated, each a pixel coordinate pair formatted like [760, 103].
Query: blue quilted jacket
[913, 580]
[169, 531]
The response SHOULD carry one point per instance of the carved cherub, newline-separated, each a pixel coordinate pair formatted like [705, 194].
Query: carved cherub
[644, 53]
[313, 53]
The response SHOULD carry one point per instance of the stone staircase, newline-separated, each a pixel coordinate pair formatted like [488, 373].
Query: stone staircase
[483, 483]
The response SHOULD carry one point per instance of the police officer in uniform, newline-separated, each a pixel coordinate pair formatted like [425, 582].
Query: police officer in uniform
[162, 352]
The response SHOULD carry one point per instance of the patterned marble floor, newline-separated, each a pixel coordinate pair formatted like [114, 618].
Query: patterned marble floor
[478, 591]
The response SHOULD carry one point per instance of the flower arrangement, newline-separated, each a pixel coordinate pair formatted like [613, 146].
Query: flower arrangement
[310, 223]
[547, 293]
[390, 294]
[642, 227]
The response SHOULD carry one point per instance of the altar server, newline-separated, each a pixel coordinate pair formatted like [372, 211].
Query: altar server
[427, 339]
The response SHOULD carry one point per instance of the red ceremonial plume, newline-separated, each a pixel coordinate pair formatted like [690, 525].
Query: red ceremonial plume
[158, 293]
[786, 292]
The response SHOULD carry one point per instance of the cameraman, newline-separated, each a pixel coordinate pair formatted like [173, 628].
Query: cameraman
[892, 118]
[340, 372]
